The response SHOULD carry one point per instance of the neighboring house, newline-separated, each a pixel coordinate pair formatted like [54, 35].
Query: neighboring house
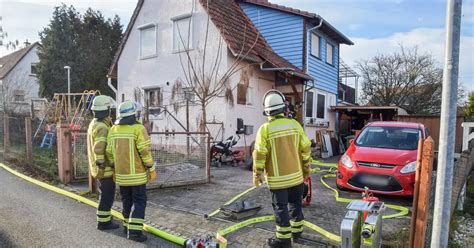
[147, 65]
[346, 95]
[18, 81]
[310, 43]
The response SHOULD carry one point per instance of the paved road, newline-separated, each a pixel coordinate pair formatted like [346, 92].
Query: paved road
[31, 216]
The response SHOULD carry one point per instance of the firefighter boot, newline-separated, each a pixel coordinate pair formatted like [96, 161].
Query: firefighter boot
[279, 243]
[296, 237]
[137, 237]
[107, 225]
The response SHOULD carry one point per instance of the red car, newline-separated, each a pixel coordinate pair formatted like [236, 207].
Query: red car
[383, 158]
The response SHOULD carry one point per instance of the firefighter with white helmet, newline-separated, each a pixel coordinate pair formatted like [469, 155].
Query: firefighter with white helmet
[282, 156]
[100, 167]
[129, 150]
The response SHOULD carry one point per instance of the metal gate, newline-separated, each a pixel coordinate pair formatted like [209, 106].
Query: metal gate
[80, 160]
[181, 158]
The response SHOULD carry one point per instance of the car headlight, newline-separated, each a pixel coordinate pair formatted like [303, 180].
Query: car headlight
[410, 167]
[346, 161]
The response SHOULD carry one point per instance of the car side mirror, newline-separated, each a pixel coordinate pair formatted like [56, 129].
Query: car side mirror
[351, 141]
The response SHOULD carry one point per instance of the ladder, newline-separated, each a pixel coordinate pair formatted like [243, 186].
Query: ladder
[48, 140]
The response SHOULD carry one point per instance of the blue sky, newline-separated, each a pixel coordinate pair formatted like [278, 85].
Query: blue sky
[381, 26]
[381, 18]
[376, 26]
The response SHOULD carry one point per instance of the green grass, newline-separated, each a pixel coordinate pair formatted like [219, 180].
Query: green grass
[46, 160]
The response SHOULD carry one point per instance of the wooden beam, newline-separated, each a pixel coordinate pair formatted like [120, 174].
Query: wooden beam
[422, 194]
[415, 193]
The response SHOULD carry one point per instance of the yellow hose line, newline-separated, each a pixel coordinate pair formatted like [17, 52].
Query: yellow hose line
[327, 234]
[116, 214]
[231, 201]
[325, 164]
[402, 210]
[256, 220]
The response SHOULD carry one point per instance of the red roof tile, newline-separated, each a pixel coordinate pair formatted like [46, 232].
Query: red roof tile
[242, 36]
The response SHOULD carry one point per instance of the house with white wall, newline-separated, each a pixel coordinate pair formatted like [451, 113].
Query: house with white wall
[18, 81]
[148, 65]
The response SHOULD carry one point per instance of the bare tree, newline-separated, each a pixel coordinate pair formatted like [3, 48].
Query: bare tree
[407, 78]
[14, 92]
[202, 70]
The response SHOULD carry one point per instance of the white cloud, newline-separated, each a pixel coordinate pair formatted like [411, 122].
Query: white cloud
[428, 40]
[24, 19]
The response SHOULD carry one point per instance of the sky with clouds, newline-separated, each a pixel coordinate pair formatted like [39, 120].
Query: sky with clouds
[375, 26]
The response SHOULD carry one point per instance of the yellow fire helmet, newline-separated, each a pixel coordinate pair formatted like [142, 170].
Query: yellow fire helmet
[102, 103]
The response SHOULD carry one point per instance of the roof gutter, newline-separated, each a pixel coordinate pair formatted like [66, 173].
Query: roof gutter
[275, 69]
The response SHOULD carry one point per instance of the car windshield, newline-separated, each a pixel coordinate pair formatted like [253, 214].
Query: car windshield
[389, 137]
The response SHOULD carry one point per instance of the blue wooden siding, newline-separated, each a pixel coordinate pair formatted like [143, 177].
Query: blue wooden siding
[282, 31]
[325, 74]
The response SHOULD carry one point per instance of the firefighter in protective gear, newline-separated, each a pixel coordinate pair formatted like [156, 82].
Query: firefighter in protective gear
[282, 156]
[129, 149]
[99, 165]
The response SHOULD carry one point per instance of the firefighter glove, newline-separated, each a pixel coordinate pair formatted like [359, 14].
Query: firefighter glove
[258, 178]
[151, 176]
[306, 171]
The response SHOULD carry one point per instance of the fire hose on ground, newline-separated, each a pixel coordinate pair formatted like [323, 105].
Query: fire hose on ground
[331, 236]
[155, 231]
[221, 233]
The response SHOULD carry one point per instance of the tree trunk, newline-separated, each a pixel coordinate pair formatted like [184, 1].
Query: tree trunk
[202, 126]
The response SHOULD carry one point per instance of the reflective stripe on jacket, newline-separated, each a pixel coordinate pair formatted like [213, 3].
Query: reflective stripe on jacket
[96, 146]
[281, 150]
[129, 149]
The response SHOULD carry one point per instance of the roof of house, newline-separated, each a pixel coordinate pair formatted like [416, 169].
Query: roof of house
[241, 36]
[326, 27]
[9, 61]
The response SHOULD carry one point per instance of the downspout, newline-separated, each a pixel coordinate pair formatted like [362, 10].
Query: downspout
[111, 86]
[307, 66]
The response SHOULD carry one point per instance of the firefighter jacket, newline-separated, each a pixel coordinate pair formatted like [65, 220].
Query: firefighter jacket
[96, 146]
[281, 150]
[128, 148]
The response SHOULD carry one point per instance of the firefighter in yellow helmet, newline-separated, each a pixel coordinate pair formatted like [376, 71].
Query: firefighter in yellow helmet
[282, 156]
[129, 150]
[100, 167]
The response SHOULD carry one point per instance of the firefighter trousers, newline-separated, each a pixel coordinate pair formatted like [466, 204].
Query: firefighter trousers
[287, 210]
[106, 199]
[133, 196]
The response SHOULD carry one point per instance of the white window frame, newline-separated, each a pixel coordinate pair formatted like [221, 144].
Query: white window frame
[142, 28]
[191, 33]
[313, 36]
[249, 95]
[147, 96]
[315, 114]
[328, 44]
[328, 100]
[35, 65]
[21, 94]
